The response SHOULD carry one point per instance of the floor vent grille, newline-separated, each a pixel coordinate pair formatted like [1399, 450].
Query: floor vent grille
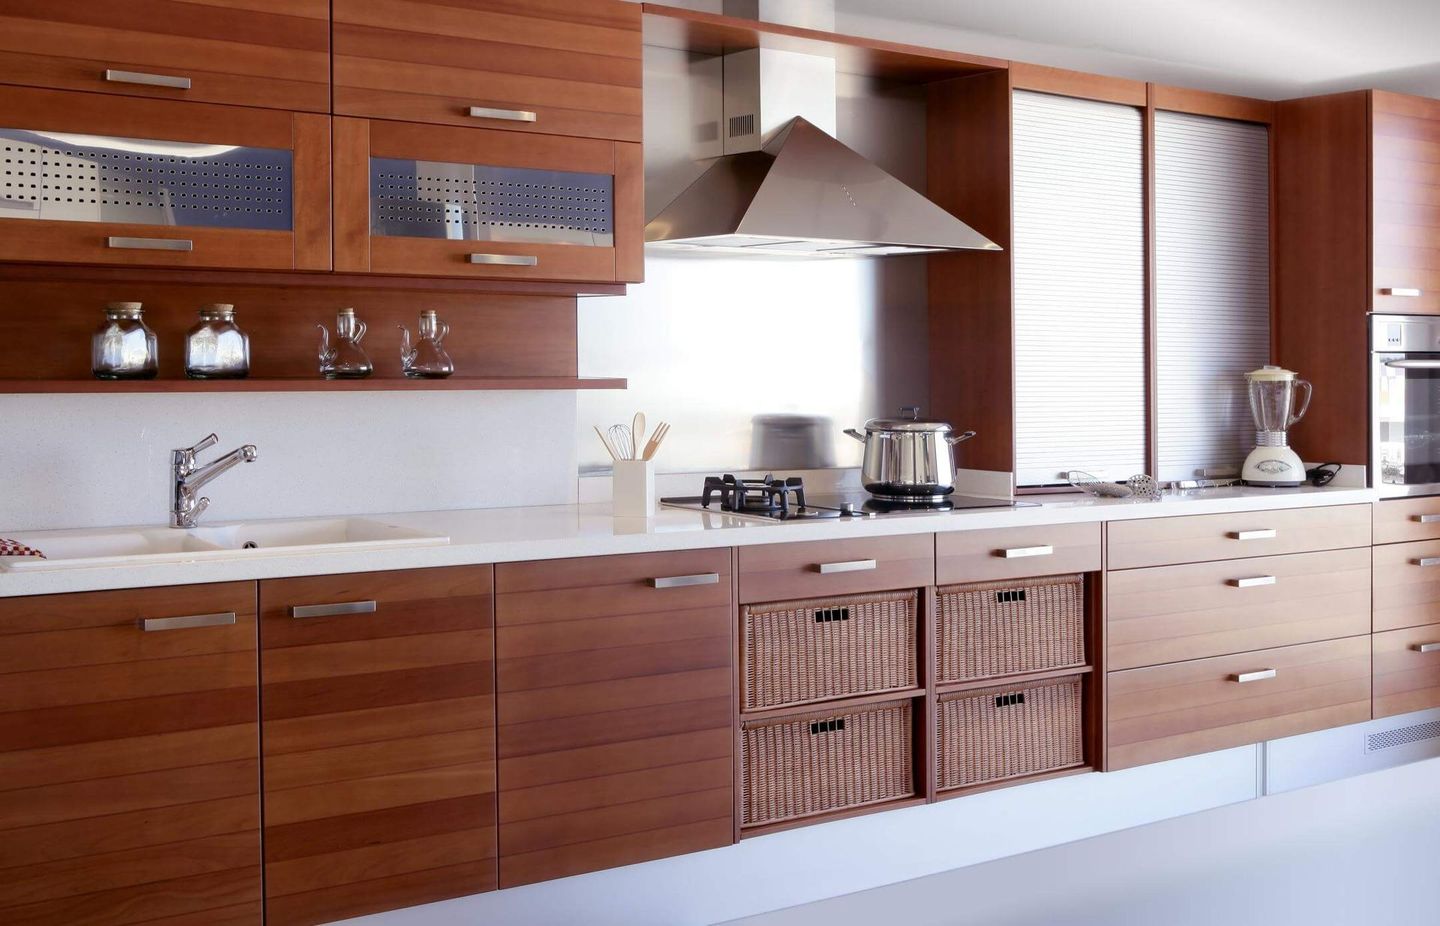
[1401, 736]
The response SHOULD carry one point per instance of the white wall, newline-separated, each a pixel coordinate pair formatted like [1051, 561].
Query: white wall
[96, 460]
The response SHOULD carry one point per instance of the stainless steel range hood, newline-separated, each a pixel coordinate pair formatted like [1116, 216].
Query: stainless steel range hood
[786, 186]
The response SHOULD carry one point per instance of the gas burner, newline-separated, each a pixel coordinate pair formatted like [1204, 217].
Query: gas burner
[769, 495]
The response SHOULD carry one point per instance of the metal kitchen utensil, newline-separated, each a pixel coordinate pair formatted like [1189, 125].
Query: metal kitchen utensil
[1093, 485]
[908, 458]
[623, 440]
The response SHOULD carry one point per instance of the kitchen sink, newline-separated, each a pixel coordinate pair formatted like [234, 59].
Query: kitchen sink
[147, 546]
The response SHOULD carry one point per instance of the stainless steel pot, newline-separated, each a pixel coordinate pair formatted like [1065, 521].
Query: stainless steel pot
[908, 458]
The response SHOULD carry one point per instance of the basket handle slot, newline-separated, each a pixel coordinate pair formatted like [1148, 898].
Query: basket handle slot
[830, 615]
[1009, 595]
[827, 726]
[1011, 699]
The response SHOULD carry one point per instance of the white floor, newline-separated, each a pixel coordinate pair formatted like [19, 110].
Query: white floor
[1362, 850]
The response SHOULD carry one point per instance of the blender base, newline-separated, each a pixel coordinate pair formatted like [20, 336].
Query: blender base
[1273, 467]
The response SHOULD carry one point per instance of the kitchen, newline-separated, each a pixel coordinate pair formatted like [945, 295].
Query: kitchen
[419, 635]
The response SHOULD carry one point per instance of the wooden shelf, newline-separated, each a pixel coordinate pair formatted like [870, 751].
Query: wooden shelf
[458, 383]
[711, 34]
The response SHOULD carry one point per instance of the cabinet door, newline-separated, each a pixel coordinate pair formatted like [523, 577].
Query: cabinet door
[1406, 203]
[247, 53]
[379, 741]
[561, 67]
[129, 757]
[616, 710]
[442, 201]
[101, 180]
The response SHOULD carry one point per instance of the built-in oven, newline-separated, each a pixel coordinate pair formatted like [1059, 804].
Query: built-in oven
[1405, 404]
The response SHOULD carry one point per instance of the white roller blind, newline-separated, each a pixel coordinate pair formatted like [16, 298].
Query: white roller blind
[1212, 311]
[1079, 259]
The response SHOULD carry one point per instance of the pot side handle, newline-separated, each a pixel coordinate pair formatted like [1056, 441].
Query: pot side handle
[855, 434]
[959, 438]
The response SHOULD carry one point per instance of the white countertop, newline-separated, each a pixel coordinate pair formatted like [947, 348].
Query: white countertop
[501, 535]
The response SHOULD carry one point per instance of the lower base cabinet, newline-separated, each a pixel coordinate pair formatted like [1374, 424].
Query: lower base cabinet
[616, 688]
[1407, 670]
[130, 758]
[379, 741]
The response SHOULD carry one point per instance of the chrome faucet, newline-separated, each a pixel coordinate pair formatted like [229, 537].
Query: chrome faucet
[186, 507]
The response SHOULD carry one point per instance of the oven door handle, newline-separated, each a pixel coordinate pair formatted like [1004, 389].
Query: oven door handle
[1414, 364]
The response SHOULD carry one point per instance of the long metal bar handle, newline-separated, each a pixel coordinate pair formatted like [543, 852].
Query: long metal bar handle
[1260, 676]
[1018, 552]
[508, 115]
[704, 578]
[1425, 518]
[505, 260]
[116, 76]
[1267, 533]
[1426, 561]
[855, 565]
[1413, 364]
[1426, 647]
[1400, 291]
[333, 610]
[1251, 581]
[188, 621]
[149, 244]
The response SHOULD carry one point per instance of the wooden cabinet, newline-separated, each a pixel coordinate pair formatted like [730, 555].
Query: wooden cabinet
[1406, 670]
[1407, 585]
[786, 571]
[1164, 712]
[1017, 552]
[96, 179]
[1406, 203]
[379, 741]
[1199, 538]
[561, 67]
[1400, 520]
[247, 53]
[129, 756]
[616, 692]
[486, 204]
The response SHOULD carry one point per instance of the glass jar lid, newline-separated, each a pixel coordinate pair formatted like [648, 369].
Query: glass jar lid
[217, 311]
[124, 309]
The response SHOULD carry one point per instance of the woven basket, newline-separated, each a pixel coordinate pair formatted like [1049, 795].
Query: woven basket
[991, 629]
[803, 651]
[818, 762]
[998, 733]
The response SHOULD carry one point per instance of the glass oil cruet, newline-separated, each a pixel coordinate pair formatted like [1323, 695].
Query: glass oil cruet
[427, 359]
[343, 357]
[124, 347]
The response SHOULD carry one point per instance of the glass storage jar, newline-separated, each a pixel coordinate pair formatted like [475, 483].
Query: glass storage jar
[216, 348]
[124, 347]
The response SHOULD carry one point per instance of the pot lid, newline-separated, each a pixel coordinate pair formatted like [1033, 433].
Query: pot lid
[909, 420]
[1270, 374]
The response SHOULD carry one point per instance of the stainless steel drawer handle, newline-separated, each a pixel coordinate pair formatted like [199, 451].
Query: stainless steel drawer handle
[1259, 676]
[1426, 561]
[1018, 552]
[150, 244]
[219, 619]
[149, 80]
[855, 565]
[1399, 291]
[1426, 647]
[704, 578]
[1251, 581]
[509, 115]
[1425, 518]
[505, 260]
[333, 610]
[1267, 533]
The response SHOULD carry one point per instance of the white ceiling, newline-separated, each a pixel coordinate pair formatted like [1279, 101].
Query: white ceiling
[1267, 48]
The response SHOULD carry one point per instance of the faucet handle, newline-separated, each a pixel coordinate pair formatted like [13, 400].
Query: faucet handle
[199, 508]
[205, 444]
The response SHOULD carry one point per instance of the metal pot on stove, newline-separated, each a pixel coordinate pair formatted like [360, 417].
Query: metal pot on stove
[908, 458]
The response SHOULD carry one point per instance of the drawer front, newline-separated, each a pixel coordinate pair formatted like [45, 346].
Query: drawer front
[1407, 670]
[560, 67]
[129, 748]
[379, 741]
[162, 184]
[785, 571]
[1206, 537]
[616, 701]
[1187, 708]
[1171, 613]
[1400, 520]
[207, 52]
[1406, 584]
[977, 556]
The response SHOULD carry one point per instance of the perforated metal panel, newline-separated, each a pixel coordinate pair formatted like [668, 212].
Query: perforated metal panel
[96, 178]
[476, 202]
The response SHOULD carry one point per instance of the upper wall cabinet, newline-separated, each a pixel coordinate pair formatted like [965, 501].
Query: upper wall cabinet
[271, 53]
[1406, 185]
[558, 67]
[445, 201]
[106, 180]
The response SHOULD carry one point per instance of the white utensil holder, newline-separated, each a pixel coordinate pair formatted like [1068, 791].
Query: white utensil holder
[634, 489]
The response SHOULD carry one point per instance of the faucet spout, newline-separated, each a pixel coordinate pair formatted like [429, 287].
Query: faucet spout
[186, 503]
[210, 471]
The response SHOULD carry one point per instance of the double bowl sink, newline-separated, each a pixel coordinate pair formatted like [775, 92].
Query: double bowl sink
[148, 546]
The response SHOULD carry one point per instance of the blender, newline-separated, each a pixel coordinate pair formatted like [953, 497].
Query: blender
[1273, 393]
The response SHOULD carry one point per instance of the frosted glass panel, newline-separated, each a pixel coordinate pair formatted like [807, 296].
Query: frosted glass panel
[1079, 249]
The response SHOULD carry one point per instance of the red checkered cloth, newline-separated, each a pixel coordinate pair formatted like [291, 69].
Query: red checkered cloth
[16, 548]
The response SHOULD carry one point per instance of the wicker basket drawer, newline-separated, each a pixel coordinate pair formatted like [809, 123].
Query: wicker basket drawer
[802, 651]
[810, 764]
[997, 733]
[1005, 628]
